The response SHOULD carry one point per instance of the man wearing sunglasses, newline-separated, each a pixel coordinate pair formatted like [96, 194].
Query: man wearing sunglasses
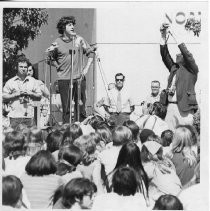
[119, 103]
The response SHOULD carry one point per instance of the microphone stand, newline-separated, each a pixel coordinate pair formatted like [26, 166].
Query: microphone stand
[71, 51]
[51, 116]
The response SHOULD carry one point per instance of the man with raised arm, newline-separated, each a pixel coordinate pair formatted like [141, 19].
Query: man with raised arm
[181, 81]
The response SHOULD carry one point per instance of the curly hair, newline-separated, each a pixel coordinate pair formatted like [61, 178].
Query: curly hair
[61, 25]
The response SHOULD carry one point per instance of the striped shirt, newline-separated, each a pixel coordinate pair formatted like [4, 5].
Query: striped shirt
[40, 190]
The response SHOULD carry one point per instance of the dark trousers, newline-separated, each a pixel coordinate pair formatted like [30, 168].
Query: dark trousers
[65, 98]
[14, 122]
[119, 118]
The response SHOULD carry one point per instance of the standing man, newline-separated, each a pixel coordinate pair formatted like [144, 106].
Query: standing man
[20, 92]
[119, 103]
[181, 81]
[60, 53]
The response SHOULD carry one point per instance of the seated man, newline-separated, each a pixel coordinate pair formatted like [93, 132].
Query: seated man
[20, 92]
[119, 103]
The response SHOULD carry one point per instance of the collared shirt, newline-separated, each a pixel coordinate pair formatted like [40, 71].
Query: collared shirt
[19, 108]
[152, 99]
[126, 100]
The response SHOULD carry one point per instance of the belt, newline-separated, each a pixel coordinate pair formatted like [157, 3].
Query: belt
[175, 102]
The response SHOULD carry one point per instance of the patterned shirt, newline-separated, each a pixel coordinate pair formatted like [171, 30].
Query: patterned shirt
[20, 108]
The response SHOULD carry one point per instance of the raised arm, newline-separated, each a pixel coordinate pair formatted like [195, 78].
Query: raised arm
[188, 58]
[191, 66]
[166, 57]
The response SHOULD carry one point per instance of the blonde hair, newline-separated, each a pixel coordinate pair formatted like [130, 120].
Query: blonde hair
[182, 142]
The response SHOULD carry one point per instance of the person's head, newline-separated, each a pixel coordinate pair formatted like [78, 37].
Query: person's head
[11, 191]
[168, 202]
[80, 191]
[35, 141]
[40, 164]
[66, 25]
[119, 80]
[71, 133]
[167, 137]
[193, 132]
[111, 86]
[104, 133]
[155, 138]
[145, 133]
[96, 121]
[22, 66]
[69, 157]
[134, 129]
[151, 151]
[53, 140]
[100, 145]
[31, 70]
[121, 135]
[124, 181]
[182, 142]
[86, 144]
[14, 144]
[35, 135]
[159, 110]
[155, 87]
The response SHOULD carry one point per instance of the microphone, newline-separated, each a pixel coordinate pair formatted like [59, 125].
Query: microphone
[52, 47]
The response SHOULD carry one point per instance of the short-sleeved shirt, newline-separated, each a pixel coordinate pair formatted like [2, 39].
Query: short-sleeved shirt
[152, 99]
[22, 109]
[126, 99]
[62, 55]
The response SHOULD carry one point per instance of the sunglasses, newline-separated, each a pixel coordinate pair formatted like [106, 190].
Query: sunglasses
[119, 80]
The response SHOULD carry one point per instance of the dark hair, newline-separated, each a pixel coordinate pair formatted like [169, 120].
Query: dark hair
[124, 181]
[104, 133]
[11, 190]
[155, 138]
[76, 189]
[40, 164]
[134, 129]
[53, 140]
[33, 68]
[130, 155]
[145, 133]
[22, 59]
[167, 137]
[71, 133]
[96, 121]
[168, 202]
[69, 157]
[61, 25]
[159, 110]
[119, 74]
[121, 135]
[14, 144]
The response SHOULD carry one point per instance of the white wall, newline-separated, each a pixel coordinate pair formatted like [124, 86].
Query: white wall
[128, 42]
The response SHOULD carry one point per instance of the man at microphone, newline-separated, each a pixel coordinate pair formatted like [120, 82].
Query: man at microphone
[60, 54]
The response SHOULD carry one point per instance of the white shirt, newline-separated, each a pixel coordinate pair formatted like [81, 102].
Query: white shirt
[18, 109]
[126, 100]
[113, 201]
[108, 158]
[159, 126]
[195, 197]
